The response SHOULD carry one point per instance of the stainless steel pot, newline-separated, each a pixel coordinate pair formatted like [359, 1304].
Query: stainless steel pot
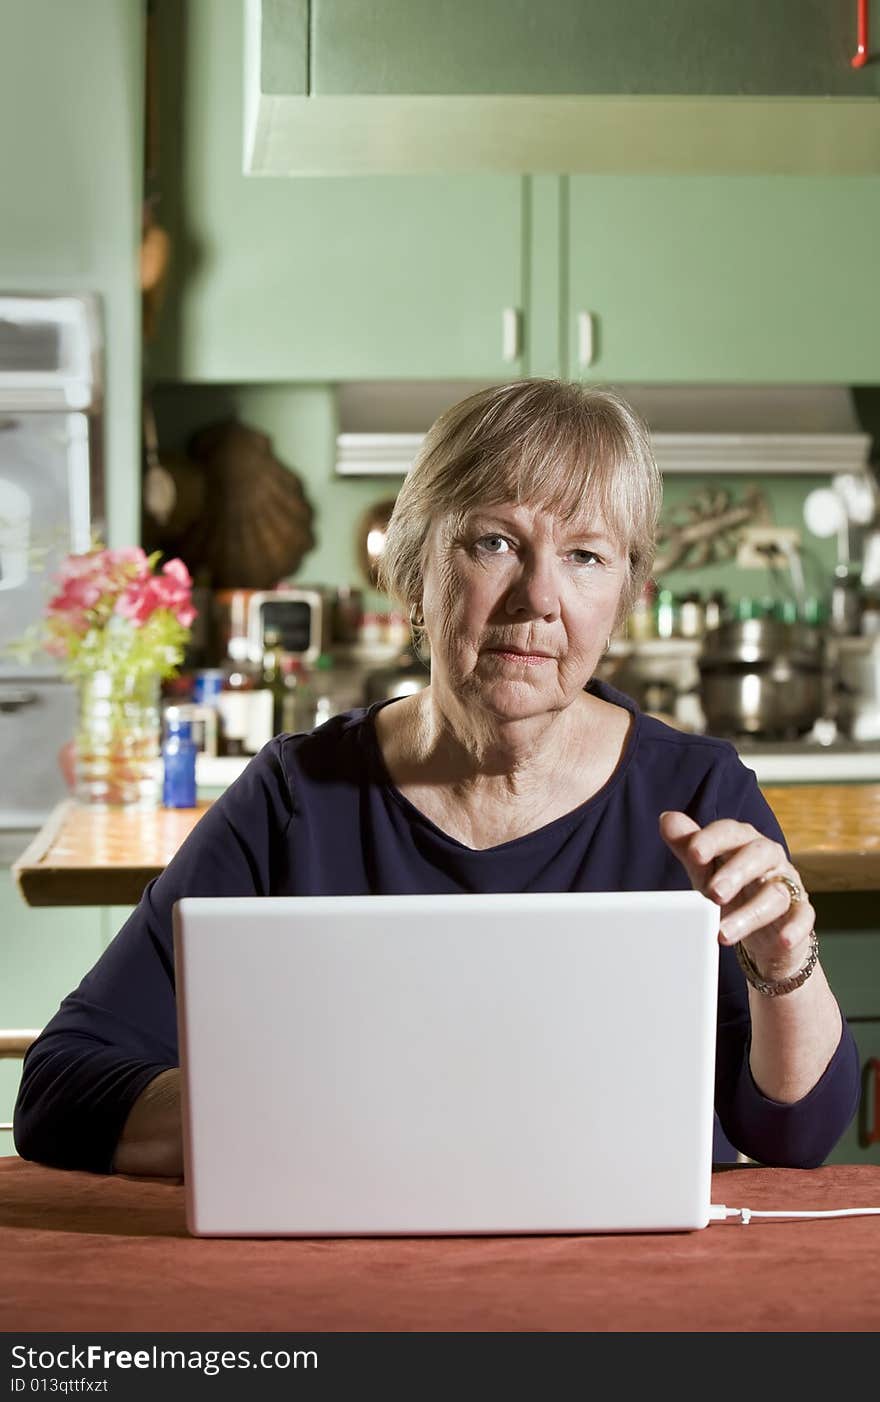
[761, 677]
[404, 676]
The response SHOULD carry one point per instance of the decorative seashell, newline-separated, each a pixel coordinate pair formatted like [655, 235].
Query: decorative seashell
[256, 522]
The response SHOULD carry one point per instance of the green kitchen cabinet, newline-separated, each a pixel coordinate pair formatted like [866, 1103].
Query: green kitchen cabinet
[506, 47]
[319, 279]
[732, 279]
[853, 1147]
[347, 279]
[487, 276]
[850, 953]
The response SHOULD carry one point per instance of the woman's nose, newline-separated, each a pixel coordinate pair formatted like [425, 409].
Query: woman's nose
[535, 591]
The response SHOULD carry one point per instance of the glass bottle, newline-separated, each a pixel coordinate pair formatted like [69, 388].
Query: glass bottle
[240, 677]
[298, 706]
[716, 611]
[641, 623]
[665, 614]
[322, 680]
[273, 677]
[179, 758]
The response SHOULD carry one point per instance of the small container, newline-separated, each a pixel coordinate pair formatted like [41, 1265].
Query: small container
[716, 610]
[641, 623]
[692, 619]
[371, 632]
[207, 686]
[397, 630]
[179, 756]
[666, 614]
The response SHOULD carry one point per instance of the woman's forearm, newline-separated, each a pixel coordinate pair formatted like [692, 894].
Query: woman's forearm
[793, 1038]
[151, 1142]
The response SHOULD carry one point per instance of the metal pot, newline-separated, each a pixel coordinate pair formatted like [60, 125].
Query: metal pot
[404, 676]
[762, 677]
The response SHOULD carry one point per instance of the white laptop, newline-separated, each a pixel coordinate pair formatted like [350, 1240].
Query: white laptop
[408, 1065]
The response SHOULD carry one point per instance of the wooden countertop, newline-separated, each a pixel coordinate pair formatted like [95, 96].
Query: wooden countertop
[106, 856]
[100, 856]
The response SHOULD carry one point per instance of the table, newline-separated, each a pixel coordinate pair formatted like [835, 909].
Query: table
[100, 856]
[106, 856]
[87, 1252]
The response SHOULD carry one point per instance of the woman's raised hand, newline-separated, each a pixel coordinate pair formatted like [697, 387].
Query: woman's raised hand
[762, 899]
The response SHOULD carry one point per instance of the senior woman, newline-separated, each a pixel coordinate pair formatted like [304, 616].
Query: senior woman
[518, 542]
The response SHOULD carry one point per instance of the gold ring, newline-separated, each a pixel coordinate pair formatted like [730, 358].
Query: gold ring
[795, 892]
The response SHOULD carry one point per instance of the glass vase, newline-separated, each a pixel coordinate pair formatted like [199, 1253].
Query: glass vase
[116, 750]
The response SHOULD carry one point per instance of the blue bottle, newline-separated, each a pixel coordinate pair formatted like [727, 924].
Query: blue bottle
[179, 755]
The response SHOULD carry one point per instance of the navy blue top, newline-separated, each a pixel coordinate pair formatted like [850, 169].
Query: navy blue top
[318, 815]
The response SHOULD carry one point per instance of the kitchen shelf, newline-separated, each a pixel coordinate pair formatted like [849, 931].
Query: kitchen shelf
[792, 454]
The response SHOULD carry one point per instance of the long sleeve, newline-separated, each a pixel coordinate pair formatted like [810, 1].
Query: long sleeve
[794, 1136]
[118, 1029]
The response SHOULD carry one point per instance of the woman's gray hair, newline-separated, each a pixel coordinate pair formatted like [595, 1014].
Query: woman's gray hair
[563, 447]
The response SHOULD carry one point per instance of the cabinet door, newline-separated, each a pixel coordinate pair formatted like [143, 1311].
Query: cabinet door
[854, 1146]
[314, 278]
[850, 951]
[737, 278]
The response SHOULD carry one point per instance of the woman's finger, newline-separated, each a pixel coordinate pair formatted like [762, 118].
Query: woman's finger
[756, 860]
[699, 849]
[765, 907]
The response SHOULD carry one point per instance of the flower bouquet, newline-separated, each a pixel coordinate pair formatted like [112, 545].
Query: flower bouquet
[117, 627]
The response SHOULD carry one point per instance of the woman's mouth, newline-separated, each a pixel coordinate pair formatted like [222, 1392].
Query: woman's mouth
[523, 659]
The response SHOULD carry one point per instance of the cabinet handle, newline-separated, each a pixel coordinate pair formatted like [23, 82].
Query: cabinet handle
[586, 344]
[511, 334]
[869, 1106]
[16, 699]
[861, 54]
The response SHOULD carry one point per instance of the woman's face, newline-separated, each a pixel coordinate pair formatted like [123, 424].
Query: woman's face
[518, 607]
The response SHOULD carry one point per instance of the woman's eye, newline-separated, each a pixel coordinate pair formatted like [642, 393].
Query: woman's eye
[586, 557]
[493, 544]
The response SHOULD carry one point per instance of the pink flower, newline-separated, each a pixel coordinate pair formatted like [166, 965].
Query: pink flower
[176, 569]
[97, 586]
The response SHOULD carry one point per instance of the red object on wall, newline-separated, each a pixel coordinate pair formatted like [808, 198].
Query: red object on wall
[861, 54]
[869, 1110]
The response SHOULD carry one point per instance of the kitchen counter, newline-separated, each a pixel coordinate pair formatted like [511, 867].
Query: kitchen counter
[106, 856]
[774, 762]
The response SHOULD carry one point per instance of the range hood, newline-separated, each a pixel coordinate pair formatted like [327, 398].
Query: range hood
[345, 88]
[792, 429]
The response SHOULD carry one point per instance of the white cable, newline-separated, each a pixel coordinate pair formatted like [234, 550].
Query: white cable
[718, 1212]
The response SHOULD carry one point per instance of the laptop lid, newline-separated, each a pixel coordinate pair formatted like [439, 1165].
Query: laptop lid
[447, 1064]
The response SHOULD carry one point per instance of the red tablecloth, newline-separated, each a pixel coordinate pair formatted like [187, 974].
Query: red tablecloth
[84, 1252]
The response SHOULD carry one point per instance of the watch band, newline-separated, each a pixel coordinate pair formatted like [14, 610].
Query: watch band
[776, 988]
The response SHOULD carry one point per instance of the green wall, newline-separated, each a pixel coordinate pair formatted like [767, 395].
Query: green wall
[71, 117]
